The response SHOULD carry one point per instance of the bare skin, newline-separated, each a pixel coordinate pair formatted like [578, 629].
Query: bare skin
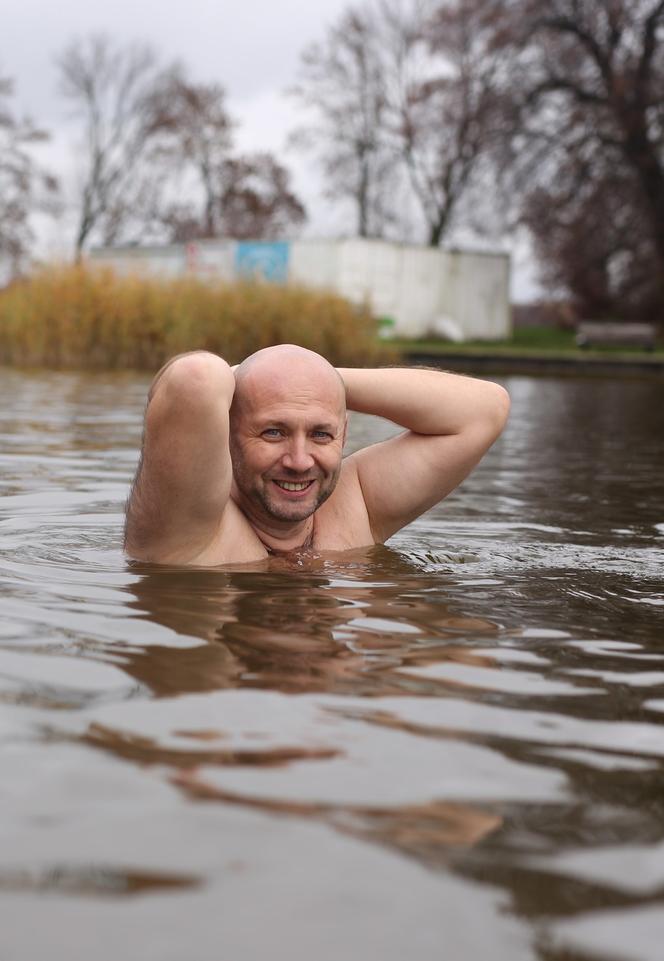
[241, 464]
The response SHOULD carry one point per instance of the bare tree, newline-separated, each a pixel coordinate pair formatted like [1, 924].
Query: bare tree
[249, 198]
[404, 87]
[587, 81]
[241, 196]
[591, 243]
[198, 135]
[342, 81]
[445, 97]
[113, 91]
[23, 186]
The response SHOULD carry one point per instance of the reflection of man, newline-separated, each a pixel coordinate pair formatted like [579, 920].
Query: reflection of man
[240, 464]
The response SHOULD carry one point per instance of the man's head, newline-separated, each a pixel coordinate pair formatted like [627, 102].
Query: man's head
[288, 426]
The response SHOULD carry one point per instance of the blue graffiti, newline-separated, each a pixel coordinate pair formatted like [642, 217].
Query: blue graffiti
[267, 260]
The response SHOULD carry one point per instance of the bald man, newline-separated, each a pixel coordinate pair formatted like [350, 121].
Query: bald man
[240, 464]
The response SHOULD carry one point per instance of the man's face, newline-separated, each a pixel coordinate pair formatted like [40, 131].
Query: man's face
[286, 447]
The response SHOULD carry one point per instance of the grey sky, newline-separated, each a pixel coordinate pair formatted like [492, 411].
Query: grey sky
[251, 47]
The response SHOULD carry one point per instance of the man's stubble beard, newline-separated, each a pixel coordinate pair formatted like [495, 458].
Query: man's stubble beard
[294, 512]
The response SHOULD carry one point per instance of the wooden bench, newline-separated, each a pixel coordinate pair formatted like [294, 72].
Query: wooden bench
[592, 333]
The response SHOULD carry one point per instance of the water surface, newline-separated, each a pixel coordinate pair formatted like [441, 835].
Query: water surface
[449, 747]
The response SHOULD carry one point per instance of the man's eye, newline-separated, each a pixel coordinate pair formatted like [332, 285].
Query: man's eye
[322, 435]
[271, 432]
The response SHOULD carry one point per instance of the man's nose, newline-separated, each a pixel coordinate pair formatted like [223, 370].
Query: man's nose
[297, 457]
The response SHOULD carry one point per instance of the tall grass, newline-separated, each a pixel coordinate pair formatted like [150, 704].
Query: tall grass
[91, 318]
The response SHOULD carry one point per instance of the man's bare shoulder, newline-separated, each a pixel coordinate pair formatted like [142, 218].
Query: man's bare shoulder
[236, 541]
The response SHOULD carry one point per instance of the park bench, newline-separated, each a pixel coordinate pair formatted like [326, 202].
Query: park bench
[593, 333]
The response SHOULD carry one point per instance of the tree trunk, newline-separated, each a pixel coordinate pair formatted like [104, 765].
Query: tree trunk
[363, 196]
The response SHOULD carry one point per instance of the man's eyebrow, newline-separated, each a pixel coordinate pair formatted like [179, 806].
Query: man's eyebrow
[270, 422]
[328, 426]
[325, 425]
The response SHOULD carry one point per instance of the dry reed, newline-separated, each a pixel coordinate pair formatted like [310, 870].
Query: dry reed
[79, 317]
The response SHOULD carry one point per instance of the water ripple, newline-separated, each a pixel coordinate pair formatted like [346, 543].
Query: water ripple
[464, 728]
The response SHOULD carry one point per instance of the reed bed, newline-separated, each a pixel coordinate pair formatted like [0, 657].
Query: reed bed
[82, 317]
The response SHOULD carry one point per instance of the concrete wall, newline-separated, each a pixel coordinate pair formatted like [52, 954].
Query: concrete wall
[315, 264]
[475, 293]
[424, 291]
[418, 304]
[167, 261]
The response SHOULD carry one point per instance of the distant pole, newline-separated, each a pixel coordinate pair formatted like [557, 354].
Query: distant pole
[191, 255]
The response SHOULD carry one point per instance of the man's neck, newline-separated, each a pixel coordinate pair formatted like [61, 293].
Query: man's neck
[279, 537]
[287, 544]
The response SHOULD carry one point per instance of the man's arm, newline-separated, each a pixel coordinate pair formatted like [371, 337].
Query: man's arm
[451, 422]
[184, 476]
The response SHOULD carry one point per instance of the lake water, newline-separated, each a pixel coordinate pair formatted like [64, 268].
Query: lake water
[448, 748]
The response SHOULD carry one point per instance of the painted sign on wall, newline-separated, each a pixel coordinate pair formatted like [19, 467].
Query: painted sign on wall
[263, 259]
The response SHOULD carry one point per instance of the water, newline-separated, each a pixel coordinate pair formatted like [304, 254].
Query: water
[450, 747]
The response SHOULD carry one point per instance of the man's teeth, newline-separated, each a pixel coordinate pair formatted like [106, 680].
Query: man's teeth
[293, 486]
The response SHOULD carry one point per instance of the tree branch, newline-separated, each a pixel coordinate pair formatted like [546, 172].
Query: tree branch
[643, 73]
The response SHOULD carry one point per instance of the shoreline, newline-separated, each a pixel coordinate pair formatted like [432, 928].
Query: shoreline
[538, 362]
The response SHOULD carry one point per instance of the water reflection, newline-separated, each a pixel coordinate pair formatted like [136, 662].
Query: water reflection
[76, 881]
[426, 832]
[331, 628]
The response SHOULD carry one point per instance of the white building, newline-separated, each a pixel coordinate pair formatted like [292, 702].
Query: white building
[422, 291]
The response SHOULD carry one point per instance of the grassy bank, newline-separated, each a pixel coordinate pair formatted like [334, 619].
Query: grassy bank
[525, 342]
[74, 317]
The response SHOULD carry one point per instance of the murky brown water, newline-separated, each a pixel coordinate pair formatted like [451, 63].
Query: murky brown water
[452, 747]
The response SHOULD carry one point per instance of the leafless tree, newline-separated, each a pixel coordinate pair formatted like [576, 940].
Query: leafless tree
[342, 82]
[404, 89]
[23, 186]
[249, 198]
[593, 246]
[587, 81]
[446, 103]
[256, 199]
[197, 134]
[113, 90]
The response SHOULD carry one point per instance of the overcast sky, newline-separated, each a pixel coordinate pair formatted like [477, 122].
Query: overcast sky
[251, 47]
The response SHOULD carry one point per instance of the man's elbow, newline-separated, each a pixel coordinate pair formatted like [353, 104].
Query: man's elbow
[500, 409]
[134, 545]
[196, 379]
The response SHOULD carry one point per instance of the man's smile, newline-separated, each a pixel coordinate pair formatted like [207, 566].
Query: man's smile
[293, 486]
